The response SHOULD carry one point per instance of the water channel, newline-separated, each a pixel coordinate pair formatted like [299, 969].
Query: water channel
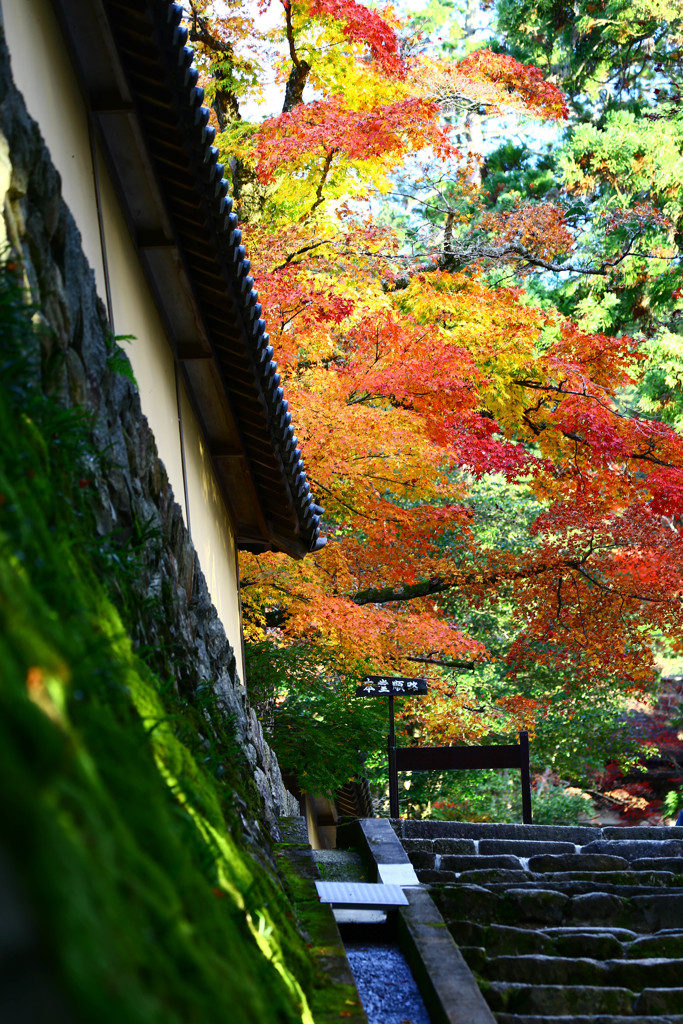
[386, 986]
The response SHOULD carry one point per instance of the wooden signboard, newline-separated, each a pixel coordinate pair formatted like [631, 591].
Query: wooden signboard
[390, 686]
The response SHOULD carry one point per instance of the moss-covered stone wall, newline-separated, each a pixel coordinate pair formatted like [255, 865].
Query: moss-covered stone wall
[139, 800]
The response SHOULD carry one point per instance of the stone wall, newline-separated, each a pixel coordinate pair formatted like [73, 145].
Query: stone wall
[78, 363]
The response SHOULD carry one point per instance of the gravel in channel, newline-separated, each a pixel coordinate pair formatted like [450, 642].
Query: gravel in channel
[385, 984]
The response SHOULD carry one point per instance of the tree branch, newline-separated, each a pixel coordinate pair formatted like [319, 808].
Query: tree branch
[404, 592]
[464, 666]
[298, 76]
[323, 178]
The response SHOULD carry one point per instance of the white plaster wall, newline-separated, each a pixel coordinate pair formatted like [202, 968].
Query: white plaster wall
[42, 72]
[211, 529]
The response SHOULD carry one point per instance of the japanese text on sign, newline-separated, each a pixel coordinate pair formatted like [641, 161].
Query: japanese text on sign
[378, 686]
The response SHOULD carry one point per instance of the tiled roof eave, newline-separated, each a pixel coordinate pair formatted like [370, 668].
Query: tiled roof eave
[231, 361]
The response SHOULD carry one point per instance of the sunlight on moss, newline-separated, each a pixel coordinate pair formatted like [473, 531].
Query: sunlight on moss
[126, 845]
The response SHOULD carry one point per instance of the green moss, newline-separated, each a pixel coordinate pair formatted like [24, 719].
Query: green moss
[124, 842]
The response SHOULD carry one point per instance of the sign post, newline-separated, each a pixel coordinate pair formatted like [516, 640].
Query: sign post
[415, 759]
[390, 686]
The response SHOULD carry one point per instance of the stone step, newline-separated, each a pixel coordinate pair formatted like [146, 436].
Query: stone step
[666, 944]
[524, 847]
[429, 860]
[621, 883]
[454, 862]
[569, 971]
[649, 912]
[480, 871]
[524, 1018]
[595, 945]
[673, 864]
[558, 1000]
[457, 846]
[659, 1001]
[576, 862]
[615, 880]
[407, 828]
[599, 943]
[497, 879]
[561, 925]
[624, 935]
[636, 849]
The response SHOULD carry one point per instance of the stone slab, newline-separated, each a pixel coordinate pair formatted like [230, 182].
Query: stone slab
[559, 1000]
[575, 834]
[421, 858]
[655, 832]
[524, 847]
[496, 876]
[454, 846]
[456, 862]
[384, 844]
[428, 876]
[637, 849]
[659, 911]
[673, 864]
[659, 1001]
[554, 862]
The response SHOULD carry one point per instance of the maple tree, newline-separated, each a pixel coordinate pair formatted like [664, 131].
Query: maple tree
[421, 367]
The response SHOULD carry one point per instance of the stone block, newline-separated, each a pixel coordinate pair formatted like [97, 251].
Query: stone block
[601, 907]
[421, 859]
[660, 911]
[413, 845]
[655, 832]
[472, 863]
[575, 834]
[673, 864]
[502, 940]
[523, 847]
[664, 944]
[467, 933]
[494, 876]
[636, 849]
[429, 876]
[471, 902]
[558, 1000]
[452, 847]
[596, 945]
[626, 881]
[576, 862]
[538, 906]
[659, 1001]
[646, 973]
[550, 970]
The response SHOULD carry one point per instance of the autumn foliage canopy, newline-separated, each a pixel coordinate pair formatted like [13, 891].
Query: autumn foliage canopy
[474, 447]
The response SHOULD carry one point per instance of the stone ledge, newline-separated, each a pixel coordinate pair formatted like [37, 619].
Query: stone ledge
[448, 987]
[299, 872]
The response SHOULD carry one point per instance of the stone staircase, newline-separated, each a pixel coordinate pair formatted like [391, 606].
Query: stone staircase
[561, 923]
